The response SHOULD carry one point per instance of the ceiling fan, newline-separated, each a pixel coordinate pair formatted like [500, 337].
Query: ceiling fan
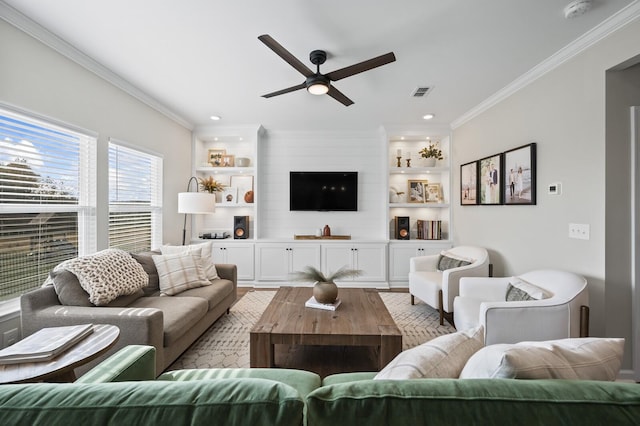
[317, 83]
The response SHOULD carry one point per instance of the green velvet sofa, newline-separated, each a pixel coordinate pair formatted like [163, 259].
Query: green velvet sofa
[123, 390]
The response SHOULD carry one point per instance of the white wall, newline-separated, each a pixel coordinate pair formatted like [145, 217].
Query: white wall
[564, 112]
[37, 78]
[282, 152]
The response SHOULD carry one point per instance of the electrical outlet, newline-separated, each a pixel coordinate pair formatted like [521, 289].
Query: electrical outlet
[9, 337]
[579, 231]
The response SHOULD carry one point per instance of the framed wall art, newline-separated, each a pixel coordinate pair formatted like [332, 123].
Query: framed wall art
[489, 180]
[214, 157]
[469, 184]
[519, 180]
[417, 191]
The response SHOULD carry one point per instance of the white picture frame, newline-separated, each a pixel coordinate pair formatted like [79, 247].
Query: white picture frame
[229, 195]
[244, 184]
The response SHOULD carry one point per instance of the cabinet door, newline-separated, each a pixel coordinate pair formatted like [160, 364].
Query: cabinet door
[335, 257]
[241, 255]
[305, 255]
[272, 262]
[372, 260]
[399, 261]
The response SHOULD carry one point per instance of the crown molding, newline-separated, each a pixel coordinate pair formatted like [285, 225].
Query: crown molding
[593, 36]
[37, 31]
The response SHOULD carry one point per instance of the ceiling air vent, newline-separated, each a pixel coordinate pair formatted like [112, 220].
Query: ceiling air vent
[421, 92]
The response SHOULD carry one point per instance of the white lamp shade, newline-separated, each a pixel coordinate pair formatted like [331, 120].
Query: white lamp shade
[196, 202]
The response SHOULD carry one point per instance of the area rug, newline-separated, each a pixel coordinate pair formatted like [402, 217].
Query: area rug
[226, 343]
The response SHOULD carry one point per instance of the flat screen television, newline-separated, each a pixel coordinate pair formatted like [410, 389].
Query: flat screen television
[323, 191]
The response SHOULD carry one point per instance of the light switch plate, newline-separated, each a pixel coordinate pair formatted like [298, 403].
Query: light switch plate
[579, 231]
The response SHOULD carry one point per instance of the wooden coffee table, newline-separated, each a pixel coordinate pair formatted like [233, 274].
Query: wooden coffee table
[362, 319]
[61, 368]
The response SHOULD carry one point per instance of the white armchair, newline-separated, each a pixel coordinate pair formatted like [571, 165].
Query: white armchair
[438, 288]
[565, 313]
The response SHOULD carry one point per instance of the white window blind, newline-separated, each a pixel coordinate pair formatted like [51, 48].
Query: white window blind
[135, 198]
[47, 198]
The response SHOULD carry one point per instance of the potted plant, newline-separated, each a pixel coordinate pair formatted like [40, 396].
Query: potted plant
[431, 153]
[325, 289]
[210, 184]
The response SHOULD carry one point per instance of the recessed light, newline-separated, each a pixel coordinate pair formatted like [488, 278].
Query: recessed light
[428, 116]
[215, 117]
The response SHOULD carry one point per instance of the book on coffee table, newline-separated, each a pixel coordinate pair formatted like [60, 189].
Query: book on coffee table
[45, 344]
[313, 303]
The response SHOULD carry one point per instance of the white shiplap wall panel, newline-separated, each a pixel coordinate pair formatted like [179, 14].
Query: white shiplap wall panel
[283, 152]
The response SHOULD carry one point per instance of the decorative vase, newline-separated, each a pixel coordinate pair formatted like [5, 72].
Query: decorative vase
[325, 292]
[429, 162]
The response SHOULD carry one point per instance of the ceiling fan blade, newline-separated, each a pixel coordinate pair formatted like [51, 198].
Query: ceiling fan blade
[286, 55]
[339, 96]
[283, 91]
[361, 67]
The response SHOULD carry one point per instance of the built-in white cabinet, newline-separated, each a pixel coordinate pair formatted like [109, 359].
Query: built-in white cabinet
[370, 258]
[275, 261]
[400, 252]
[239, 254]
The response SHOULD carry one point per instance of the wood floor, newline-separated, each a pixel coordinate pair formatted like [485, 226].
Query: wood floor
[324, 360]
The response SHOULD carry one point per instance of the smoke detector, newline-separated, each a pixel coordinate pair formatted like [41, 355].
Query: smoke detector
[577, 8]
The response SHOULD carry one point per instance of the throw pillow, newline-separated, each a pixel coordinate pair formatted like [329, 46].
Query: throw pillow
[519, 289]
[206, 254]
[180, 272]
[442, 357]
[68, 289]
[106, 274]
[586, 358]
[146, 261]
[448, 260]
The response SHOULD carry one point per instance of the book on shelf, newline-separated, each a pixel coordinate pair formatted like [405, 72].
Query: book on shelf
[429, 229]
[45, 344]
[313, 303]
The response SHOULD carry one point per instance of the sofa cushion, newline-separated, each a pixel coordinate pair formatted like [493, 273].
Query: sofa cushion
[213, 294]
[178, 314]
[206, 254]
[519, 289]
[107, 274]
[70, 293]
[146, 261]
[303, 381]
[68, 289]
[442, 357]
[577, 359]
[474, 402]
[179, 272]
[227, 401]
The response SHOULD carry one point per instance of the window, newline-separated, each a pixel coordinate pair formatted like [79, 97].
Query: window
[47, 198]
[135, 198]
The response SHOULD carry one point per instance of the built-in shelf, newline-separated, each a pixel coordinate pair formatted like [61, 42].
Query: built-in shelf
[417, 170]
[419, 205]
[226, 170]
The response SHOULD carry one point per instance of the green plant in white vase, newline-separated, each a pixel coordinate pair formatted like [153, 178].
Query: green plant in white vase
[325, 289]
[431, 153]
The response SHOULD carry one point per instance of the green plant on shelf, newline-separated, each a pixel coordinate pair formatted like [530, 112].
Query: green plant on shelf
[431, 151]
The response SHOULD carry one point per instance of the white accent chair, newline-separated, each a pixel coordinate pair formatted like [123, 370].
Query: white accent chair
[439, 288]
[482, 301]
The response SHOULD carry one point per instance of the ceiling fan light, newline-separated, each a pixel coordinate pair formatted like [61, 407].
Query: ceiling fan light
[318, 88]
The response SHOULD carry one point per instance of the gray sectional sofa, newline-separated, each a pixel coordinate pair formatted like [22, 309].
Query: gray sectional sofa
[169, 323]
